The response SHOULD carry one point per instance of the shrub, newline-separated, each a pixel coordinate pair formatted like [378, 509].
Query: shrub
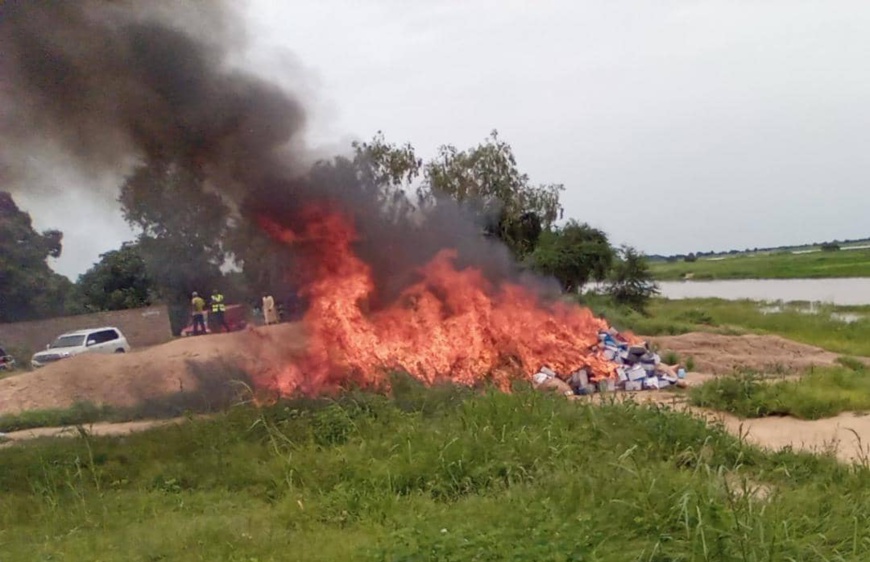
[690, 363]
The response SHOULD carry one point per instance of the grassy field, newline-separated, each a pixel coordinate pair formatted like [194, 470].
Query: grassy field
[793, 321]
[851, 263]
[822, 393]
[436, 474]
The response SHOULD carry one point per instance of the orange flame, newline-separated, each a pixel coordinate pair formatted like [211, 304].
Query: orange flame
[451, 325]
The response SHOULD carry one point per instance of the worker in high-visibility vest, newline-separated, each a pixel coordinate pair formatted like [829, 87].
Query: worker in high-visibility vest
[197, 307]
[217, 310]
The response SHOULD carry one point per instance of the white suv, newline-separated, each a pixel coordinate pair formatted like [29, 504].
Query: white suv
[97, 340]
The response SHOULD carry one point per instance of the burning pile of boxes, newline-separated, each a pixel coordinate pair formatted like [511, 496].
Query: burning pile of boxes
[637, 367]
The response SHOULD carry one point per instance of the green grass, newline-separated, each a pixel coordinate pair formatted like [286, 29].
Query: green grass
[672, 317]
[430, 475]
[822, 393]
[783, 265]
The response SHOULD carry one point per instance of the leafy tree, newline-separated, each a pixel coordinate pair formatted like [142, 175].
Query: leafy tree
[386, 171]
[631, 282]
[118, 281]
[830, 247]
[29, 289]
[486, 180]
[381, 163]
[574, 254]
[182, 228]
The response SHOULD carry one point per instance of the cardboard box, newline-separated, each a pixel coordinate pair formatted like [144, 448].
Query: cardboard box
[651, 383]
[633, 385]
[636, 373]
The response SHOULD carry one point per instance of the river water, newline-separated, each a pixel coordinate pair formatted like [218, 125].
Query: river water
[841, 291]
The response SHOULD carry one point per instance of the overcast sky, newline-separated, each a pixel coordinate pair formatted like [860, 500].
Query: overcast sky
[675, 125]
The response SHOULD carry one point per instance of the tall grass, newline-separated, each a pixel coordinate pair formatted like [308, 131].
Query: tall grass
[429, 475]
[824, 392]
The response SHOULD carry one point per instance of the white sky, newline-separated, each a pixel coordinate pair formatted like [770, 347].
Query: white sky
[676, 126]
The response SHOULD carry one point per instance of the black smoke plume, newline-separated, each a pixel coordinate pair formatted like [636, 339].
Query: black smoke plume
[113, 80]
[109, 79]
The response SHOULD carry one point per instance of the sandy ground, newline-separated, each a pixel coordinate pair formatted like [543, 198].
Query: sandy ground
[847, 435]
[718, 354]
[126, 379]
[159, 371]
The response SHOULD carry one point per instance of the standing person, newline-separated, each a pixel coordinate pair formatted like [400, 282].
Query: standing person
[270, 315]
[217, 310]
[197, 308]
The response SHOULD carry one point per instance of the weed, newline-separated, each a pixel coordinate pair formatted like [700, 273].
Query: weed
[851, 363]
[696, 316]
[690, 363]
[671, 358]
[824, 392]
[450, 475]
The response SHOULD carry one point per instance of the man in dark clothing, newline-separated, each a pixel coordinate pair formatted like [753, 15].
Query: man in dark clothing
[217, 310]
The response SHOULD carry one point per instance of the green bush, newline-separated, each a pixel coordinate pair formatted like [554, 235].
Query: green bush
[696, 316]
[819, 394]
[851, 363]
[671, 358]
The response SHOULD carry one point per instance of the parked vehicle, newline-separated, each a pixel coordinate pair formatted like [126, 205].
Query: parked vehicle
[70, 344]
[7, 362]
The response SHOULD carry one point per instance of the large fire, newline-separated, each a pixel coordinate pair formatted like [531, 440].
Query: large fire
[451, 325]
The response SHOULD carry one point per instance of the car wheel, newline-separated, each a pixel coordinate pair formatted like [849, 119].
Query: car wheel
[120, 350]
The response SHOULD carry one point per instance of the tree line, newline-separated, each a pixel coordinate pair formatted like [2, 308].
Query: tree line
[175, 214]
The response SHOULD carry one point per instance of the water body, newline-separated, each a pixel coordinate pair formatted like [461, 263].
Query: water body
[841, 291]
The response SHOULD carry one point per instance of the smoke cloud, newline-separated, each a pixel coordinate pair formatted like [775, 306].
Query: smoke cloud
[110, 80]
[117, 81]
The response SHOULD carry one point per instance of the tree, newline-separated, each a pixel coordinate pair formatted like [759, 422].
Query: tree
[574, 254]
[486, 180]
[483, 180]
[118, 281]
[29, 289]
[386, 171]
[631, 282]
[182, 228]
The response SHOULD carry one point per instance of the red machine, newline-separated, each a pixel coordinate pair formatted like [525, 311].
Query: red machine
[7, 362]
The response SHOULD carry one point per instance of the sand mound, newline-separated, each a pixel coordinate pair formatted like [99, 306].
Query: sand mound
[185, 365]
[151, 373]
[718, 354]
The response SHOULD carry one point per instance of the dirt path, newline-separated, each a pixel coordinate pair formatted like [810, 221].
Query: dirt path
[847, 435]
[97, 429]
